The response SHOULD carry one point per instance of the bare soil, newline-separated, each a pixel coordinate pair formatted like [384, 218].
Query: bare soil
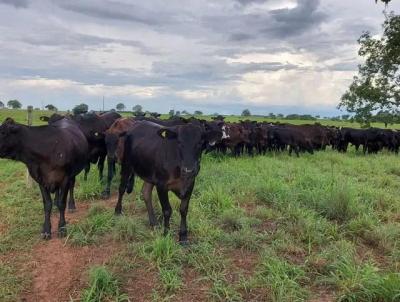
[59, 270]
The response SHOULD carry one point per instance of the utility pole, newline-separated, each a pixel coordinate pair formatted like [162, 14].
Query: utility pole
[103, 103]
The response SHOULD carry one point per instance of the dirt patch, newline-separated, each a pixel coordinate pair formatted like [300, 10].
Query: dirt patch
[243, 262]
[194, 289]
[267, 225]
[3, 229]
[367, 252]
[322, 295]
[58, 269]
[140, 284]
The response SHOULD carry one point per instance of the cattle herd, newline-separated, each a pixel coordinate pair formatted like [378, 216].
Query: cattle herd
[164, 153]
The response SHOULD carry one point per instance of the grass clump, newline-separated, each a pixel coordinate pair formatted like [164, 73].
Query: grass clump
[99, 221]
[167, 255]
[127, 229]
[285, 281]
[103, 286]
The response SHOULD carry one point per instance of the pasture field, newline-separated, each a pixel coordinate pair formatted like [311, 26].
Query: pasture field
[321, 227]
[20, 116]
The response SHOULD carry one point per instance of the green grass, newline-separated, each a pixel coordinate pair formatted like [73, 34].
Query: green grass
[103, 286]
[20, 115]
[298, 224]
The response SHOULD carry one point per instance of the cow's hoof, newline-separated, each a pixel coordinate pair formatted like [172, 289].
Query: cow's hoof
[46, 236]
[62, 232]
[184, 243]
[105, 195]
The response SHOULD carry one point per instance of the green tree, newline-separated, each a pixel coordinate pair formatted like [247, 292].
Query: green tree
[198, 112]
[155, 114]
[1, 105]
[271, 115]
[51, 107]
[184, 112]
[120, 107]
[376, 87]
[345, 117]
[280, 115]
[246, 112]
[385, 117]
[137, 108]
[81, 108]
[171, 112]
[14, 104]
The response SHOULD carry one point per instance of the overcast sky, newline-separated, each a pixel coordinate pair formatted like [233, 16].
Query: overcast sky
[281, 56]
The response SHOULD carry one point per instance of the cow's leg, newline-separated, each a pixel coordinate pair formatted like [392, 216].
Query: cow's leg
[147, 189]
[297, 150]
[131, 183]
[87, 170]
[184, 210]
[100, 166]
[166, 207]
[62, 231]
[71, 200]
[47, 204]
[56, 200]
[110, 175]
[125, 176]
[290, 150]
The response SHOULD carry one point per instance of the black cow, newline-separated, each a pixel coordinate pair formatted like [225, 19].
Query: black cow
[167, 158]
[294, 138]
[54, 155]
[93, 127]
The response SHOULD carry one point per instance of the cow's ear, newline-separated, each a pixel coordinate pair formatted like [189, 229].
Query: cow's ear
[9, 121]
[167, 133]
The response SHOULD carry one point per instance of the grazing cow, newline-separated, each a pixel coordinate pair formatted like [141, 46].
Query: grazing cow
[167, 158]
[54, 155]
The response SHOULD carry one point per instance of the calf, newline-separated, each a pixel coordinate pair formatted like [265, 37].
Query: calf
[167, 158]
[54, 155]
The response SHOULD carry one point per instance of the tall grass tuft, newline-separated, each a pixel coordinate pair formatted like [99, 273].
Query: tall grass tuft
[284, 281]
[103, 286]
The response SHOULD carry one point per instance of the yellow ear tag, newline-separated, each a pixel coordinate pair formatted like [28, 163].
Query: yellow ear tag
[164, 133]
[96, 134]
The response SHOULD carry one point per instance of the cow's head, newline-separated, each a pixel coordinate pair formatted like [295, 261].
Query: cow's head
[212, 133]
[190, 140]
[9, 139]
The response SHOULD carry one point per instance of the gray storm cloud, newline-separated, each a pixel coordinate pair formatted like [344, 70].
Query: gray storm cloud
[212, 55]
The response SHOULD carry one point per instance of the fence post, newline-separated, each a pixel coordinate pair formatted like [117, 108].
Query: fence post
[29, 180]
